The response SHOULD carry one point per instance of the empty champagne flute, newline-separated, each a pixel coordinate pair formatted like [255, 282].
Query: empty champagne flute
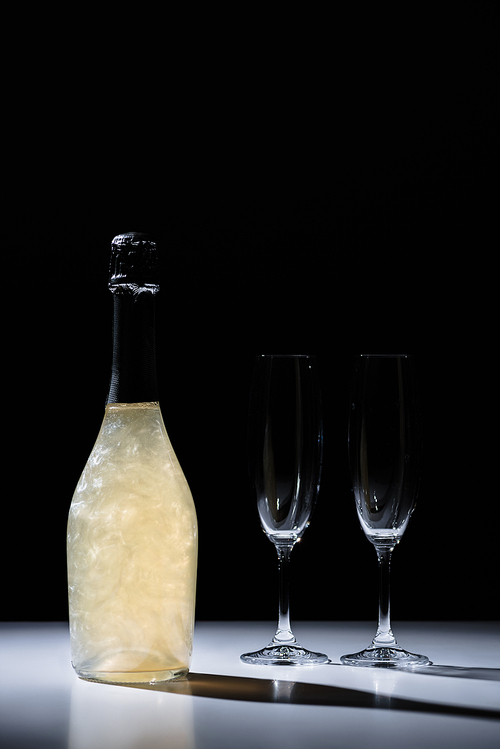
[285, 453]
[385, 448]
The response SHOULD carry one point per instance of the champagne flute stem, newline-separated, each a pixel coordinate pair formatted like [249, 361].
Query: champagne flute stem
[384, 637]
[284, 634]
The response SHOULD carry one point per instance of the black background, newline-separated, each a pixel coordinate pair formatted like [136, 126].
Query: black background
[313, 183]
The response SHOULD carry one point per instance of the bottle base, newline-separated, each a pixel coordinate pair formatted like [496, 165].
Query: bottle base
[133, 677]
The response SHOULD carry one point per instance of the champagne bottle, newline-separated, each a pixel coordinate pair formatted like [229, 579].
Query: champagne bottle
[132, 528]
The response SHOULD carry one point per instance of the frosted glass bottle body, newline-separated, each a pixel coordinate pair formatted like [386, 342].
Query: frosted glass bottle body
[132, 554]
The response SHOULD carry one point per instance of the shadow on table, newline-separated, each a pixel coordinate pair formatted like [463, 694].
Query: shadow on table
[299, 693]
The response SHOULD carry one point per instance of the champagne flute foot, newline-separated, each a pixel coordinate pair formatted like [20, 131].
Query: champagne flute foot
[284, 655]
[385, 658]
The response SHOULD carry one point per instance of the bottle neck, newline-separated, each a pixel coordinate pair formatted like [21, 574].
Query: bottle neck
[133, 371]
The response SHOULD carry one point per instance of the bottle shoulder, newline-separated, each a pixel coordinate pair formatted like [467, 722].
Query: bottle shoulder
[133, 447]
[128, 407]
[132, 422]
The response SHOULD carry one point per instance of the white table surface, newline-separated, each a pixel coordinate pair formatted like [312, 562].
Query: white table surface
[225, 703]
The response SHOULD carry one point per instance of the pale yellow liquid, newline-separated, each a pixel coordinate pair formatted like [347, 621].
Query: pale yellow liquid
[132, 554]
